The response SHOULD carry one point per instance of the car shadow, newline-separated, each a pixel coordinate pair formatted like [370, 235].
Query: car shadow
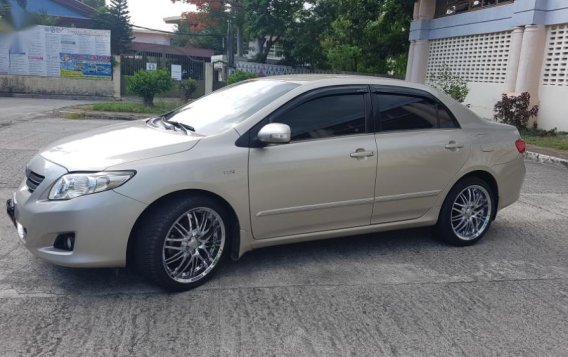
[271, 262]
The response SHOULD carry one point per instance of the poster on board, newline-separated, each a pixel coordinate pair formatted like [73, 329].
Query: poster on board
[52, 51]
[176, 72]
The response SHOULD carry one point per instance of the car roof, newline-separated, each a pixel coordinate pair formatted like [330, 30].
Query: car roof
[343, 79]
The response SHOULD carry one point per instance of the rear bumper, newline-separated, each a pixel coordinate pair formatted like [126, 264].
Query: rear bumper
[510, 178]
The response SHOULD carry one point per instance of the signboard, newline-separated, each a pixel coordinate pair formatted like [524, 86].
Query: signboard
[176, 72]
[151, 66]
[51, 51]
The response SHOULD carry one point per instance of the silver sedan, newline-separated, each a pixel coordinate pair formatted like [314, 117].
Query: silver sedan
[267, 162]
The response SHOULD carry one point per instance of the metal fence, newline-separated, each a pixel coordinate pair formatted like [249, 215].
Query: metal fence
[190, 68]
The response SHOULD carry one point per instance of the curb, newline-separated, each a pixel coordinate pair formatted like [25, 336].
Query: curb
[546, 159]
[103, 115]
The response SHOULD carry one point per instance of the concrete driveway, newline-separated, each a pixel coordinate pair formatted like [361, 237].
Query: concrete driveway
[391, 294]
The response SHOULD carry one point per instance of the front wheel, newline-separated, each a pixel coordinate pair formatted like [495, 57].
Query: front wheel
[467, 212]
[182, 242]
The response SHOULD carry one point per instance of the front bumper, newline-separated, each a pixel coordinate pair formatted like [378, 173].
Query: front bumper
[101, 222]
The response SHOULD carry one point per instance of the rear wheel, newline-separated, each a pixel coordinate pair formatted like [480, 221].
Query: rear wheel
[467, 212]
[182, 242]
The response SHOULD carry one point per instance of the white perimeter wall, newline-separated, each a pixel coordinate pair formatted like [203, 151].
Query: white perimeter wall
[483, 96]
[553, 111]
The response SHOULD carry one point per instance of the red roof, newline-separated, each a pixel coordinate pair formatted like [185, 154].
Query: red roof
[172, 50]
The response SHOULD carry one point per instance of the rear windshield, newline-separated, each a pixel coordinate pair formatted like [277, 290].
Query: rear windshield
[225, 108]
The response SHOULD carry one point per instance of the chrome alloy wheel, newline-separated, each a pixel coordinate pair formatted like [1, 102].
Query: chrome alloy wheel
[471, 212]
[194, 245]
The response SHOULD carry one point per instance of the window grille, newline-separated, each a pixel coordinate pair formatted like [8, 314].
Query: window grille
[555, 72]
[477, 58]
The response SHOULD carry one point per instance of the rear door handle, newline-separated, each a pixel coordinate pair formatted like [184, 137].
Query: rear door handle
[452, 145]
[361, 154]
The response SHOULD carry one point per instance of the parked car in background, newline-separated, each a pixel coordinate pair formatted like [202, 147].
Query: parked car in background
[266, 162]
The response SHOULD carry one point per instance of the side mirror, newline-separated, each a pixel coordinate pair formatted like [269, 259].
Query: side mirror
[275, 133]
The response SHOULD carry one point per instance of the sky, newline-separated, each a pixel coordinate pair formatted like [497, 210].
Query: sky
[150, 13]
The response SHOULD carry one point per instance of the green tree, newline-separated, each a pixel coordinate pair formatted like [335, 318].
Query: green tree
[148, 84]
[267, 22]
[450, 83]
[187, 87]
[369, 36]
[116, 18]
[239, 76]
[211, 19]
[264, 21]
[349, 35]
[6, 21]
[302, 43]
[187, 37]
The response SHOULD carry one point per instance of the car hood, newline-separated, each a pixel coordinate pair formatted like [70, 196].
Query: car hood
[98, 149]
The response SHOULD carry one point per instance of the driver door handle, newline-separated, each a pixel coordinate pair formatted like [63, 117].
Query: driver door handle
[452, 145]
[361, 154]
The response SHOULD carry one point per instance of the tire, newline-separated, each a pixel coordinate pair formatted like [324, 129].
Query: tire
[467, 212]
[180, 243]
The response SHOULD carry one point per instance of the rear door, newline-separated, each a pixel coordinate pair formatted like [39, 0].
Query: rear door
[420, 149]
[325, 178]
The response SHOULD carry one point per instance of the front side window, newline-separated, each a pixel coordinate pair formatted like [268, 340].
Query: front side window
[325, 117]
[405, 112]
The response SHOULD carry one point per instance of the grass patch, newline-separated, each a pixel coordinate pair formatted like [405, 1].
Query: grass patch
[74, 115]
[129, 107]
[558, 141]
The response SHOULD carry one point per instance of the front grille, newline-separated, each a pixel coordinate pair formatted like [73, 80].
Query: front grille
[33, 181]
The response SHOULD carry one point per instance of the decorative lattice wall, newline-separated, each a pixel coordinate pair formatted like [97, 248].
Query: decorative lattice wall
[477, 58]
[555, 72]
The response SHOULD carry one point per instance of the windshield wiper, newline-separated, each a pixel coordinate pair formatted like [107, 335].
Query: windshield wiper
[177, 124]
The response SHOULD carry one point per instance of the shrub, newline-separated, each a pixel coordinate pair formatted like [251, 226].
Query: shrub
[239, 76]
[515, 110]
[187, 87]
[147, 84]
[449, 83]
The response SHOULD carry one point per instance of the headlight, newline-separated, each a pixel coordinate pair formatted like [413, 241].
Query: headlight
[79, 184]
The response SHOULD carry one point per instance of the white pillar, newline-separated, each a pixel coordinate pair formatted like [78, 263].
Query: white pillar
[209, 73]
[416, 10]
[420, 61]
[530, 61]
[410, 61]
[116, 78]
[514, 58]
[427, 9]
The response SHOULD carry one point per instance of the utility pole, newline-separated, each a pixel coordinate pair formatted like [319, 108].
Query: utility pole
[229, 47]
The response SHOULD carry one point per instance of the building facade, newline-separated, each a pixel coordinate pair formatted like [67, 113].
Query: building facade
[69, 13]
[497, 46]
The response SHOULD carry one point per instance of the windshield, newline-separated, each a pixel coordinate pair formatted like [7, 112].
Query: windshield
[226, 108]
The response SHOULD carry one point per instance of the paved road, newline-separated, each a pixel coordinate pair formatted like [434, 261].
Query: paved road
[392, 294]
[15, 109]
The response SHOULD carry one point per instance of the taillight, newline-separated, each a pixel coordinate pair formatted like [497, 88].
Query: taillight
[521, 146]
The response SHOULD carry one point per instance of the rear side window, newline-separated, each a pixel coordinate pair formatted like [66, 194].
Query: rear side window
[405, 112]
[325, 117]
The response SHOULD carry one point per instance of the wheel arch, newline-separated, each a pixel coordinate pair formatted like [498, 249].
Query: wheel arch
[490, 180]
[234, 242]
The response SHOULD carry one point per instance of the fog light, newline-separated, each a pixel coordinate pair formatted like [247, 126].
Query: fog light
[22, 232]
[65, 241]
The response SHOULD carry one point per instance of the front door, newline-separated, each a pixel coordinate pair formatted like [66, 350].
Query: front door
[324, 179]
